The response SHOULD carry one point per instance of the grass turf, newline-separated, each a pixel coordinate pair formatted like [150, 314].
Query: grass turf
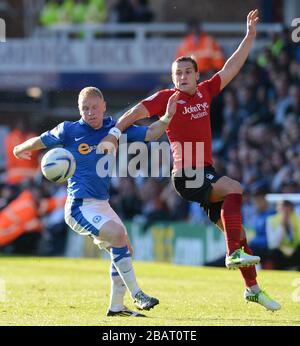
[61, 291]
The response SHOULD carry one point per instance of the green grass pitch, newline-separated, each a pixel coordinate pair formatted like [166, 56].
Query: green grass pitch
[60, 291]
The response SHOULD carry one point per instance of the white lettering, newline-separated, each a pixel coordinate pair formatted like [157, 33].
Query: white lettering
[2, 30]
[198, 115]
[296, 32]
[114, 336]
[138, 165]
[199, 107]
[172, 335]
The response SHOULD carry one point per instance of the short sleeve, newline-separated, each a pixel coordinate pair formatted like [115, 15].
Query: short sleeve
[55, 136]
[212, 85]
[156, 104]
[136, 133]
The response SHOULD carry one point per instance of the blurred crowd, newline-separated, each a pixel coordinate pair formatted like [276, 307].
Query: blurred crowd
[95, 11]
[31, 208]
[256, 140]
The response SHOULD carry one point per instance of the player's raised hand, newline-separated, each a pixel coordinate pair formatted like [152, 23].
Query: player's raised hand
[22, 155]
[252, 20]
[171, 106]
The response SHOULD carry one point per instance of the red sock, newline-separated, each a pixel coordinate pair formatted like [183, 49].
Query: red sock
[232, 221]
[249, 273]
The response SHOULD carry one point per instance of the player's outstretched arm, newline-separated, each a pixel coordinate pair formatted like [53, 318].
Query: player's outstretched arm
[157, 129]
[238, 58]
[23, 150]
[126, 120]
[131, 116]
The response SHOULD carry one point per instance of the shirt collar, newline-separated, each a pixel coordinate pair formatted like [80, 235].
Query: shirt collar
[186, 94]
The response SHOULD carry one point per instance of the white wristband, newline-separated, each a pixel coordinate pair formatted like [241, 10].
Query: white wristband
[115, 132]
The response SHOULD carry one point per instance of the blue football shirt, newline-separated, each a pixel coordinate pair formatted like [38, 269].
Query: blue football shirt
[82, 140]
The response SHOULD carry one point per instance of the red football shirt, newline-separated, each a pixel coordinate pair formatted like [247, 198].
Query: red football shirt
[190, 128]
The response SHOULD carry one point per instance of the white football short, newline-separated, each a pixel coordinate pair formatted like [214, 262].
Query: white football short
[87, 217]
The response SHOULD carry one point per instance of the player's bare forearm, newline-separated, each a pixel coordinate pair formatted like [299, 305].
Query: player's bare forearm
[22, 151]
[34, 143]
[238, 58]
[109, 143]
[157, 129]
[236, 61]
[131, 116]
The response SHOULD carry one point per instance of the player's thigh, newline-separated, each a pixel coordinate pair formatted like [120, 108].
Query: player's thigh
[199, 194]
[114, 227]
[88, 217]
[222, 187]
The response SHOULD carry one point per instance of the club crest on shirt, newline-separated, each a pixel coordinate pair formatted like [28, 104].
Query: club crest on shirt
[209, 176]
[97, 218]
[199, 94]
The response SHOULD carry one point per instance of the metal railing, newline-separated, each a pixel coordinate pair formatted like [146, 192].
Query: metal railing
[142, 31]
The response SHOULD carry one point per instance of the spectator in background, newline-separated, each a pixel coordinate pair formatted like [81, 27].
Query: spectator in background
[293, 107]
[79, 12]
[54, 235]
[142, 11]
[50, 13]
[7, 194]
[202, 47]
[95, 11]
[22, 216]
[177, 208]
[65, 11]
[283, 234]
[17, 171]
[231, 120]
[122, 12]
[282, 99]
[128, 11]
[73, 11]
[127, 201]
[153, 208]
[259, 243]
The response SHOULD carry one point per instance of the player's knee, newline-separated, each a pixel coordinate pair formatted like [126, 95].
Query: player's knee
[114, 233]
[120, 233]
[235, 187]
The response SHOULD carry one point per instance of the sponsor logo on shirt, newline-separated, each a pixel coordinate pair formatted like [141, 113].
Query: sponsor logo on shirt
[84, 148]
[198, 107]
[200, 110]
[78, 139]
[209, 176]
